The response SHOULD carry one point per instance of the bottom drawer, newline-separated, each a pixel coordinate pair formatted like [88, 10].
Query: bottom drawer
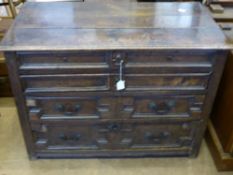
[116, 136]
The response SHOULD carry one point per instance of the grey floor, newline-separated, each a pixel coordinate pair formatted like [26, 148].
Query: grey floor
[14, 160]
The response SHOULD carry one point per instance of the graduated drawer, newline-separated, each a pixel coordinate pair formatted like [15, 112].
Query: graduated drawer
[105, 82]
[164, 61]
[64, 62]
[161, 107]
[115, 107]
[67, 108]
[134, 62]
[63, 83]
[156, 82]
[115, 136]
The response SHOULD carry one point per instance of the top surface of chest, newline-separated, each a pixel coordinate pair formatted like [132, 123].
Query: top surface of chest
[113, 25]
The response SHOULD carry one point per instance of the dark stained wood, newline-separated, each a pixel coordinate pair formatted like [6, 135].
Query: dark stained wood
[220, 129]
[166, 82]
[52, 108]
[65, 74]
[82, 39]
[116, 25]
[112, 15]
[223, 160]
[5, 90]
[91, 62]
[222, 114]
[19, 99]
[64, 62]
[175, 107]
[96, 139]
[91, 82]
[3, 68]
[71, 82]
[211, 93]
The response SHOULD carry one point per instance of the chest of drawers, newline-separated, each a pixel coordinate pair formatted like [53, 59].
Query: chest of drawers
[169, 58]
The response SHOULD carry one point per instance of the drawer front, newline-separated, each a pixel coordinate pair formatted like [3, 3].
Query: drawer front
[115, 107]
[149, 62]
[62, 83]
[165, 82]
[114, 136]
[104, 82]
[165, 61]
[58, 62]
[162, 107]
[67, 108]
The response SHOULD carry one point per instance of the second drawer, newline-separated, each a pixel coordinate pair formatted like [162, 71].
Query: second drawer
[106, 82]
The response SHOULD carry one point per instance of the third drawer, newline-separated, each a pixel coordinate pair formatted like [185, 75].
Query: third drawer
[115, 107]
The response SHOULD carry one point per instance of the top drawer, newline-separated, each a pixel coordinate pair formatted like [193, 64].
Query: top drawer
[165, 61]
[61, 62]
[134, 62]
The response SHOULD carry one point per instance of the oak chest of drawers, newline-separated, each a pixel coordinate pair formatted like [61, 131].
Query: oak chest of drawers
[117, 79]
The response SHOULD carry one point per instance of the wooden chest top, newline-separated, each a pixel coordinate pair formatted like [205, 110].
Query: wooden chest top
[113, 25]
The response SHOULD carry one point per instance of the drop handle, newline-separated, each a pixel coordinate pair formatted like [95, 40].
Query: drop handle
[67, 109]
[161, 108]
[73, 111]
[114, 127]
[75, 137]
[149, 136]
[162, 135]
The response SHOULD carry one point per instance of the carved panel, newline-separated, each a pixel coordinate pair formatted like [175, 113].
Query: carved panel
[57, 108]
[166, 82]
[64, 83]
[114, 135]
[189, 106]
[63, 62]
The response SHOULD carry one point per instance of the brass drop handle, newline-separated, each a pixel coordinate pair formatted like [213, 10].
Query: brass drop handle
[161, 108]
[75, 137]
